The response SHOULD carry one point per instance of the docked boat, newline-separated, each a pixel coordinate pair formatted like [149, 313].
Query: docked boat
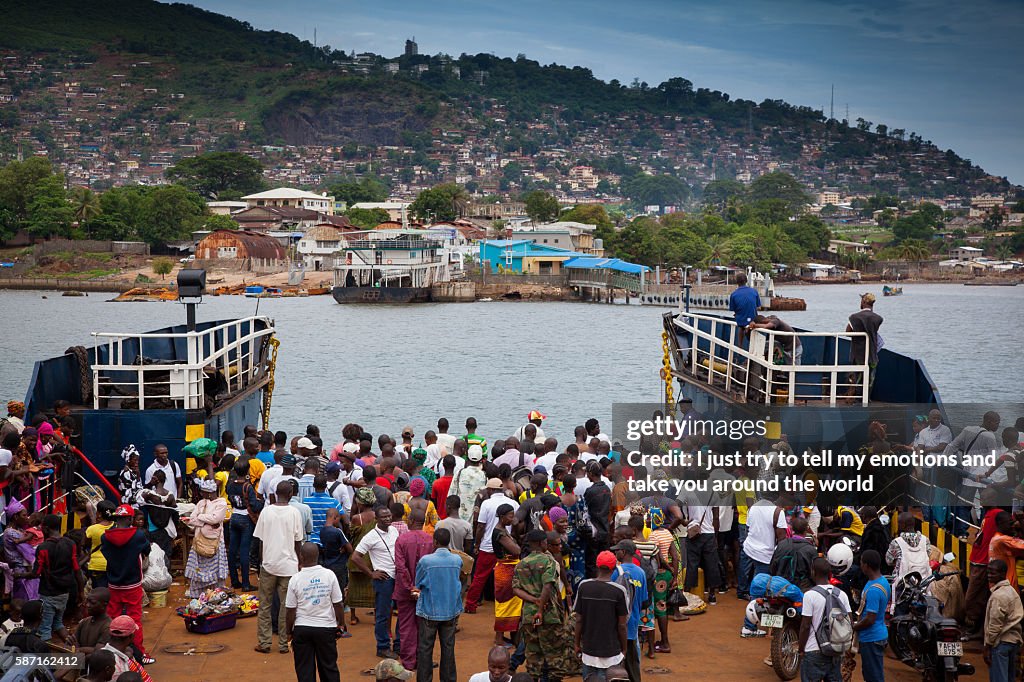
[822, 403]
[389, 266]
[169, 386]
[259, 291]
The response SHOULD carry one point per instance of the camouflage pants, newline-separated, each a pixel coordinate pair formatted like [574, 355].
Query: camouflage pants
[549, 651]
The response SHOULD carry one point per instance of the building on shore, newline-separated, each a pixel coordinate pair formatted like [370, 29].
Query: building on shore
[241, 245]
[524, 256]
[288, 197]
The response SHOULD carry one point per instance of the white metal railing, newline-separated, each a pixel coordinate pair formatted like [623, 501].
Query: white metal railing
[752, 372]
[239, 361]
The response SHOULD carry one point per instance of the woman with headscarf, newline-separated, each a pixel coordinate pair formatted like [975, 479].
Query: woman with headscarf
[129, 481]
[417, 500]
[207, 564]
[23, 465]
[360, 588]
[578, 530]
[157, 502]
[419, 458]
[19, 553]
[15, 419]
[508, 608]
[668, 568]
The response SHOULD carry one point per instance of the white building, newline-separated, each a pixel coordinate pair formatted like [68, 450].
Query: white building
[319, 244]
[965, 253]
[396, 209]
[288, 197]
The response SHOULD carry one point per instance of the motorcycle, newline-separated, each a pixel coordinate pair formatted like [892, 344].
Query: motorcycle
[780, 616]
[921, 637]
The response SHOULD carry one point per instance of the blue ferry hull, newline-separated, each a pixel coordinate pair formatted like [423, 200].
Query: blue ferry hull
[104, 432]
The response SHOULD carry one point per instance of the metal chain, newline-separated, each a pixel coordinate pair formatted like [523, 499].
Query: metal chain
[666, 374]
[268, 392]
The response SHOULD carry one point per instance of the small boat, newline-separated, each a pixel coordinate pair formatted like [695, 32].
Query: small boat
[990, 283]
[892, 291]
[73, 293]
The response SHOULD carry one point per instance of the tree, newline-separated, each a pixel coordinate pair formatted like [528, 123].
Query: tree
[217, 221]
[718, 192]
[809, 233]
[993, 219]
[220, 175]
[915, 226]
[367, 218]
[909, 250]
[679, 246]
[541, 207]
[49, 213]
[783, 186]
[86, 204]
[18, 182]
[171, 212]
[442, 202]
[162, 267]
[656, 190]
[367, 189]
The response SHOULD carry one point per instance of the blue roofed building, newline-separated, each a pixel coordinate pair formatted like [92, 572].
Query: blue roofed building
[524, 256]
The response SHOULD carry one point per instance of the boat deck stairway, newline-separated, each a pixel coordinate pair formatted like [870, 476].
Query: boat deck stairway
[184, 370]
[707, 353]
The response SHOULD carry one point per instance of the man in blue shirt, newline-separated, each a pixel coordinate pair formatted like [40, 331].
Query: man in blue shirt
[438, 595]
[870, 628]
[743, 302]
[319, 502]
[627, 571]
[266, 453]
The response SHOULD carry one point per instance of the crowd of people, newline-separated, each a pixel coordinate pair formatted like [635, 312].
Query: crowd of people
[586, 574]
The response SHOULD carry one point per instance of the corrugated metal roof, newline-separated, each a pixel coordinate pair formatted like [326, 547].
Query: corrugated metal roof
[595, 263]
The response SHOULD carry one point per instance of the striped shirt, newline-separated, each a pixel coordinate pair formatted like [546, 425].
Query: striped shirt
[318, 504]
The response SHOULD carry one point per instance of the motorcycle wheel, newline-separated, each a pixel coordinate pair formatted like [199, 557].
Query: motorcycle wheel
[786, 652]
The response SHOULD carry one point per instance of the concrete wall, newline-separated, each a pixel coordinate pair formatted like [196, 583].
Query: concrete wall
[90, 246]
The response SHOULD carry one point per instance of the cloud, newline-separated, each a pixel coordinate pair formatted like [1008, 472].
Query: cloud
[882, 27]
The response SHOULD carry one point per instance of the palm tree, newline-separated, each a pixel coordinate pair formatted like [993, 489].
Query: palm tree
[460, 201]
[1004, 252]
[718, 251]
[86, 204]
[912, 250]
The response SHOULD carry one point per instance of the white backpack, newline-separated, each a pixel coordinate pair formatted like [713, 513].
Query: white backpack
[835, 631]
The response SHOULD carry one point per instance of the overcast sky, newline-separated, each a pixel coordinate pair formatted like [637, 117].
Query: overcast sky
[951, 71]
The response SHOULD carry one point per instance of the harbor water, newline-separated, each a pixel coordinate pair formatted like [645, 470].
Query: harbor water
[387, 366]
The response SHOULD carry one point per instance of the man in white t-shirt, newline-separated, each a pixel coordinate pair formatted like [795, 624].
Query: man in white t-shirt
[315, 608]
[486, 521]
[702, 548]
[498, 663]
[280, 530]
[816, 666]
[379, 546]
[766, 525]
[444, 439]
[162, 462]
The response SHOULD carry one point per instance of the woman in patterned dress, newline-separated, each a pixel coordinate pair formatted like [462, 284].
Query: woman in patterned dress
[665, 577]
[204, 572]
[577, 532]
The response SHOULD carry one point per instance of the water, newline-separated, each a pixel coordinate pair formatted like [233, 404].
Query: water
[386, 367]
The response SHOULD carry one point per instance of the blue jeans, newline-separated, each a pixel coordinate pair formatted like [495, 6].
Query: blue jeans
[742, 581]
[1004, 662]
[871, 656]
[816, 667]
[590, 674]
[238, 551]
[53, 615]
[382, 591]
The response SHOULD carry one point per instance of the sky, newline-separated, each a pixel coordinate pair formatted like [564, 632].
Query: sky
[951, 71]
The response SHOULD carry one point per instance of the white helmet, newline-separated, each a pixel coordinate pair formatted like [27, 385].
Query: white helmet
[840, 558]
[752, 616]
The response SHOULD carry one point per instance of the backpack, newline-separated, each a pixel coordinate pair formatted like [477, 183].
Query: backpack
[522, 473]
[649, 569]
[835, 631]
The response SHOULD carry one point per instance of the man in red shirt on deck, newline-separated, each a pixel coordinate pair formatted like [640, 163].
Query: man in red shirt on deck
[977, 585]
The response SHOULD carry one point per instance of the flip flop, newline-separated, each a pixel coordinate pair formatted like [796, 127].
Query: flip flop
[148, 660]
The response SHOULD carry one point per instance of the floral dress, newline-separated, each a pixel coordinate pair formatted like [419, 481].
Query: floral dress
[576, 541]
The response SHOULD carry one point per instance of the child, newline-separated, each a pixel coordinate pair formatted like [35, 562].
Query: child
[336, 551]
[34, 531]
[93, 632]
[397, 516]
[26, 637]
[13, 621]
[100, 665]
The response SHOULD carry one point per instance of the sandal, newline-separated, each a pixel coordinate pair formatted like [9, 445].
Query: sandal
[662, 649]
[148, 660]
[345, 634]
